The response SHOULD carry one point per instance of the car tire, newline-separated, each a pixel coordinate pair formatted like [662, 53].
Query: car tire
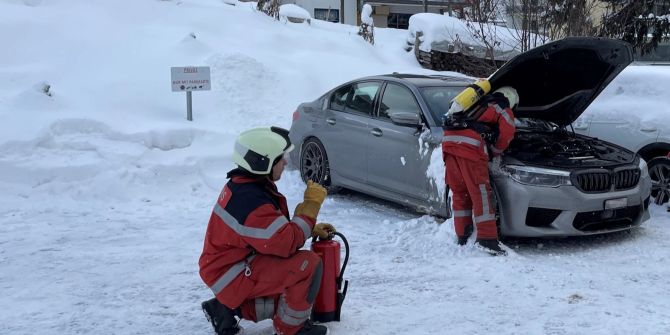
[659, 171]
[495, 197]
[314, 164]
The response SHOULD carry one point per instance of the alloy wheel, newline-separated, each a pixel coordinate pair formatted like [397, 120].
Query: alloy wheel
[660, 182]
[312, 166]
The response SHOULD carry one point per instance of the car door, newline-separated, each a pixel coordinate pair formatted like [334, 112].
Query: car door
[345, 131]
[394, 159]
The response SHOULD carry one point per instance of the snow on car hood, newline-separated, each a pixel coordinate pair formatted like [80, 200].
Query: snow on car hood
[557, 81]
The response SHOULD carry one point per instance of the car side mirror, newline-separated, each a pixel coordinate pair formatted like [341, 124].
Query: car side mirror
[406, 119]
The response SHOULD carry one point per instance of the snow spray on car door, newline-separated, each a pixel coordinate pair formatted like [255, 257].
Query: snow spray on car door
[328, 303]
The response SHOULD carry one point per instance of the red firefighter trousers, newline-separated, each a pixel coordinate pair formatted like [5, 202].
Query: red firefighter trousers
[284, 290]
[471, 187]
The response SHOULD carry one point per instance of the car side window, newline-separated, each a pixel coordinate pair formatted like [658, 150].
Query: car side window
[397, 99]
[338, 100]
[363, 97]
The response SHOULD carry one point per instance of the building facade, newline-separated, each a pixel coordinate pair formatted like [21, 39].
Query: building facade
[385, 13]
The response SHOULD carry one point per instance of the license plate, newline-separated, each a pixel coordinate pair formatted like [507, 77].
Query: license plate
[616, 203]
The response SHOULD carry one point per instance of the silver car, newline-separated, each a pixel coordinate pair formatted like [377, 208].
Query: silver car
[380, 135]
[650, 141]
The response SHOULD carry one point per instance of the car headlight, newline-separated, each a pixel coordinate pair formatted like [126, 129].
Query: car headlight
[538, 176]
[644, 171]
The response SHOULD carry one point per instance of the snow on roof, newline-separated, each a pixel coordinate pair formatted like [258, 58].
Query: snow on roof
[291, 10]
[439, 31]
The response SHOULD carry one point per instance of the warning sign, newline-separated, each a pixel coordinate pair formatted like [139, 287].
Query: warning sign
[191, 78]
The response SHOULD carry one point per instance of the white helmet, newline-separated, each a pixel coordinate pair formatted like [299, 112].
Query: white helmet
[258, 149]
[510, 93]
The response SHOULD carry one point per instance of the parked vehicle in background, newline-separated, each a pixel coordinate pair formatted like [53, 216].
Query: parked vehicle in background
[376, 135]
[650, 141]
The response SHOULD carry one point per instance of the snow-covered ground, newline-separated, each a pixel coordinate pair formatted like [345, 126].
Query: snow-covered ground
[106, 189]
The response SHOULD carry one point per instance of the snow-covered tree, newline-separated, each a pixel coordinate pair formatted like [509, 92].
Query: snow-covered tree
[481, 18]
[642, 23]
[367, 30]
[563, 18]
[269, 7]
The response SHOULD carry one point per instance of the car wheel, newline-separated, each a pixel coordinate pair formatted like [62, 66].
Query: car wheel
[495, 197]
[314, 163]
[659, 171]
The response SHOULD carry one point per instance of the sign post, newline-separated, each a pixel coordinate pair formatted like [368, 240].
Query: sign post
[188, 79]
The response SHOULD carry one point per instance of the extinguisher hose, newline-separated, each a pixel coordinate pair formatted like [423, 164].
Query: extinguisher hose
[346, 258]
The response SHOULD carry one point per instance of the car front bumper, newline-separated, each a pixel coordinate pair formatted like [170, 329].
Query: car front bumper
[534, 211]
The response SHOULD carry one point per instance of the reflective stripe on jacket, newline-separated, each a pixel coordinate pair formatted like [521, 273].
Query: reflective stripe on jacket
[468, 143]
[249, 217]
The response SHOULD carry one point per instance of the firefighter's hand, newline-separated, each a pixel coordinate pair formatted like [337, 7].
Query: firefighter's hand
[308, 208]
[314, 192]
[323, 230]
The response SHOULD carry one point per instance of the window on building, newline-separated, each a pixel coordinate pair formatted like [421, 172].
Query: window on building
[327, 14]
[399, 21]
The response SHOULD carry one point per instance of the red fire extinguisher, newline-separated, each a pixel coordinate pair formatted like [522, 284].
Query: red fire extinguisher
[328, 303]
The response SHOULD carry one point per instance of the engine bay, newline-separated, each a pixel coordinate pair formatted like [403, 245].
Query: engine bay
[561, 148]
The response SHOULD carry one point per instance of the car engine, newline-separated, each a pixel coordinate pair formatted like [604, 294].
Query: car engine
[564, 149]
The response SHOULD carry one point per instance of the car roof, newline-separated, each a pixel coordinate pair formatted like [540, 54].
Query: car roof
[419, 80]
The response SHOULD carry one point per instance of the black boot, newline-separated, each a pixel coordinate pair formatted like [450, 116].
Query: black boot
[463, 240]
[222, 318]
[311, 329]
[491, 246]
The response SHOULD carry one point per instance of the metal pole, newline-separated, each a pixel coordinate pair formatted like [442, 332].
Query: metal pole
[425, 6]
[189, 106]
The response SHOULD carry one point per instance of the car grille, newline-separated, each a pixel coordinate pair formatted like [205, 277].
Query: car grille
[601, 180]
[608, 219]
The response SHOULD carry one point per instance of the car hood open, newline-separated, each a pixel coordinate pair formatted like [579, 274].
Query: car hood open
[557, 81]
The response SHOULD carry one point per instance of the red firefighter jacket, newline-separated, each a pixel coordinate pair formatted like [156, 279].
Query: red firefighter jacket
[250, 217]
[468, 143]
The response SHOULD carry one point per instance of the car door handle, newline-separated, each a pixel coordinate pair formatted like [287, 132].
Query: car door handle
[331, 120]
[376, 131]
[648, 130]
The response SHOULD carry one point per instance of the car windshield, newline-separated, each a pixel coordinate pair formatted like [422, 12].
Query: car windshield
[438, 99]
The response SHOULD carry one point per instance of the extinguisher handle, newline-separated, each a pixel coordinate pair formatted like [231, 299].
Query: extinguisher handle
[346, 258]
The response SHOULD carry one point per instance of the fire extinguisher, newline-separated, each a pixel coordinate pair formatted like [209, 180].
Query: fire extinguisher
[328, 303]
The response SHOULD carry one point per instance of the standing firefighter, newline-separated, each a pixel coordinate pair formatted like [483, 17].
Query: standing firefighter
[470, 138]
[251, 258]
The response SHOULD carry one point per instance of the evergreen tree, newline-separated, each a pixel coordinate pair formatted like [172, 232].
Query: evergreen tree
[636, 22]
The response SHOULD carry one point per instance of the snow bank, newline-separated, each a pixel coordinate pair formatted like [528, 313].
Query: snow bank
[295, 11]
[107, 189]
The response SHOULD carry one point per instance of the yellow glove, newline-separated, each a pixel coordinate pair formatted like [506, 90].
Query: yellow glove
[314, 196]
[323, 230]
[314, 192]
[308, 208]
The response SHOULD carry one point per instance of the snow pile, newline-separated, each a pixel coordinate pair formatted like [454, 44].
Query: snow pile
[294, 11]
[107, 189]
[366, 15]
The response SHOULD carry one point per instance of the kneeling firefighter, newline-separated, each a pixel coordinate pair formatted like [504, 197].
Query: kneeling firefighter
[251, 259]
[475, 131]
